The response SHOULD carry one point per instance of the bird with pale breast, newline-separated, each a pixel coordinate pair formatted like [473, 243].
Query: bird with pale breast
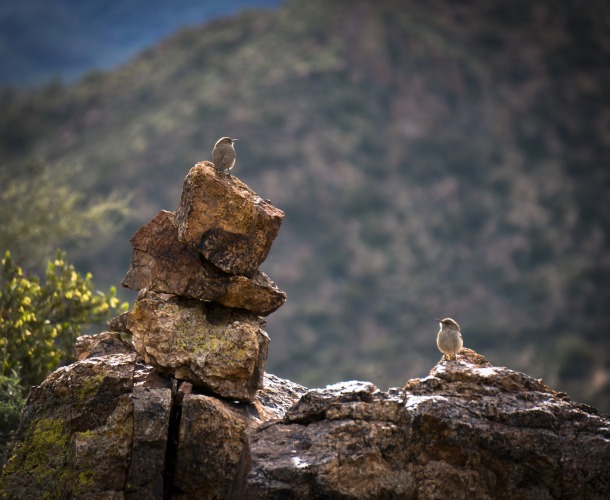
[449, 339]
[223, 155]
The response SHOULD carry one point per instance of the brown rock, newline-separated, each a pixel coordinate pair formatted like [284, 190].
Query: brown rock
[99, 428]
[76, 433]
[152, 404]
[91, 346]
[469, 430]
[211, 442]
[225, 221]
[221, 349]
[213, 438]
[161, 263]
[119, 323]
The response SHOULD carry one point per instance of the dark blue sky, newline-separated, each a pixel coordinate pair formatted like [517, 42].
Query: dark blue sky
[42, 40]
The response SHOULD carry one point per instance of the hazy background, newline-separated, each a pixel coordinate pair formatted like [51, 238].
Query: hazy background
[434, 159]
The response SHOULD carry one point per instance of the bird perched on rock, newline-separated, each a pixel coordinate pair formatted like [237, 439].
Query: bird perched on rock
[449, 339]
[223, 154]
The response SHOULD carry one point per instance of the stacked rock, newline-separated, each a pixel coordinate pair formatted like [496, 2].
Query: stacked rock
[201, 296]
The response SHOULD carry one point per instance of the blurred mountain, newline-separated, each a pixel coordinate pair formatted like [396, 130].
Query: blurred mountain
[440, 158]
[62, 39]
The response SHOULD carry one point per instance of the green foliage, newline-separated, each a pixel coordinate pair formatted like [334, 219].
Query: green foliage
[40, 210]
[11, 401]
[40, 322]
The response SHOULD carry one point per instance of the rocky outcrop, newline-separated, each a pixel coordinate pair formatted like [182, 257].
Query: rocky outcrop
[161, 263]
[217, 348]
[109, 426]
[225, 221]
[469, 430]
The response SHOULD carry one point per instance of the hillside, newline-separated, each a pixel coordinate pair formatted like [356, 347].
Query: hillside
[63, 39]
[437, 159]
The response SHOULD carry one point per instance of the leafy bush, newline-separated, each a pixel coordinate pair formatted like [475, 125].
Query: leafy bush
[11, 401]
[39, 323]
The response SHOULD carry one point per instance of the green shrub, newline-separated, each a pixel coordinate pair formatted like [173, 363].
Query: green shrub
[39, 324]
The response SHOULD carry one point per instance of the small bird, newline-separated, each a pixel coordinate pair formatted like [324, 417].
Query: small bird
[449, 340]
[223, 155]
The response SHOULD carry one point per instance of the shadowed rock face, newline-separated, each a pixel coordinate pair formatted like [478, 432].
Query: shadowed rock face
[161, 263]
[225, 221]
[99, 428]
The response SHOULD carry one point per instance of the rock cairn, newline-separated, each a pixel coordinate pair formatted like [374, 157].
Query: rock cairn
[201, 295]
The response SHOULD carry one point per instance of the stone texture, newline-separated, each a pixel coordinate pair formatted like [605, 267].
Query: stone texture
[76, 432]
[161, 263]
[91, 346]
[220, 349]
[211, 442]
[225, 221]
[119, 323]
[469, 430]
[212, 453]
[152, 404]
[99, 429]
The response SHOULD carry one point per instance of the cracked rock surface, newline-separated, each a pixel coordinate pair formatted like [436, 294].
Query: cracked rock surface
[161, 263]
[104, 427]
[469, 430]
[108, 426]
[225, 221]
[214, 347]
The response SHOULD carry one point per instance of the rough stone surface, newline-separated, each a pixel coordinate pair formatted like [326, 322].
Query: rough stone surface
[99, 429]
[225, 221]
[91, 346]
[216, 348]
[76, 432]
[469, 430]
[119, 323]
[161, 263]
[152, 404]
[211, 442]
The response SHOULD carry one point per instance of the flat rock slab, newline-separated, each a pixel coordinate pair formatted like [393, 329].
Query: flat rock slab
[161, 263]
[225, 221]
[220, 349]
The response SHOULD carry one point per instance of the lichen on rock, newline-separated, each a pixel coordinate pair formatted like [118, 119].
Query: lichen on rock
[220, 349]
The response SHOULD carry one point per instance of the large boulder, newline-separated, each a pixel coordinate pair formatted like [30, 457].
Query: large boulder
[161, 263]
[225, 221]
[110, 427]
[220, 349]
[469, 430]
[76, 434]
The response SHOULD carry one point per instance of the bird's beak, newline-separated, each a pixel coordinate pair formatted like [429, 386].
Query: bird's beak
[235, 140]
[438, 319]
